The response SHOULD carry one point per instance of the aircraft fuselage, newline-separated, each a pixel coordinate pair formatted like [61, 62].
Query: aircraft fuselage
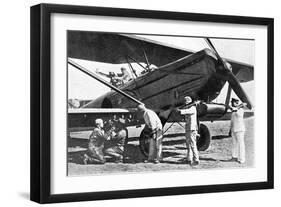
[194, 75]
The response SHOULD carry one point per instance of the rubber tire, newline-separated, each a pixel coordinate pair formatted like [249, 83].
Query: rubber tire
[204, 139]
[144, 145]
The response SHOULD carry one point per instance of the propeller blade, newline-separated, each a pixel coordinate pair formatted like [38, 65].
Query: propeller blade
[239, 91]
[232, 80]
[212, 47]
[228, 95]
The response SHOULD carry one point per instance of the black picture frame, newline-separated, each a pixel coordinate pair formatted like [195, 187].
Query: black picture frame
[41, 98]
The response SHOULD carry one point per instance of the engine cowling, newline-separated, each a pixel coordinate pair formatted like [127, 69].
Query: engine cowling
[211, 110]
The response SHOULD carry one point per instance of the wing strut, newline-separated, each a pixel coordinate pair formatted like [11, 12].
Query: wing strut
[146, 59]
[137, 62]
[84, 70]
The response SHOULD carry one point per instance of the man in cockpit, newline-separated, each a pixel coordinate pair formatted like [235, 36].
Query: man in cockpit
[111, 76]
[124, 76]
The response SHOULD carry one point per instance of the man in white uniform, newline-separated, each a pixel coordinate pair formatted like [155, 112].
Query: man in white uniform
[154, 127]
[237, 131]
[191, 128]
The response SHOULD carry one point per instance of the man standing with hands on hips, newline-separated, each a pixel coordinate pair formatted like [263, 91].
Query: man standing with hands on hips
[237, 128]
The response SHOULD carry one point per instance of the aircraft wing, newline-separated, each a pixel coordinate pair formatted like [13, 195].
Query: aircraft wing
[115, 49]
[100, 111]
[242, 71]
[83, 119]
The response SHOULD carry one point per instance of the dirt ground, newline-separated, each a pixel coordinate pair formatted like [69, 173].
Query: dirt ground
[174, 152]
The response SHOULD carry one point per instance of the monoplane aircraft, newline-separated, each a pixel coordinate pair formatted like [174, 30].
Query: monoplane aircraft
[179, 73]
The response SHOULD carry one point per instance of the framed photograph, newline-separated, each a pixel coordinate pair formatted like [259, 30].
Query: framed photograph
[133, 103]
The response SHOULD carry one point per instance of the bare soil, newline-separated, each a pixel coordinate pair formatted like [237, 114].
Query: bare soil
[218, 155]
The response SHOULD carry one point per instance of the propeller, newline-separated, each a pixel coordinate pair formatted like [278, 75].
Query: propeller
[227, 74]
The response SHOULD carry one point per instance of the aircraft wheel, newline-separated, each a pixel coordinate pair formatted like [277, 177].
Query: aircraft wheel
[204, 138]
[144, 144]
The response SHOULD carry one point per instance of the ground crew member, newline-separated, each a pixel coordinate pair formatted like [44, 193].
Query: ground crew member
[237, 128]
[191, 127]
[153, 127]
[95, 149]
[115, 146]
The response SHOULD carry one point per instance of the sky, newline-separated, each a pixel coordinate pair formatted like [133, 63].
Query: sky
[81, 86]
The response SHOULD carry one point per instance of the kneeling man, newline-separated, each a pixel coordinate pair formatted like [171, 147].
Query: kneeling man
[94, 154]
[115, 147]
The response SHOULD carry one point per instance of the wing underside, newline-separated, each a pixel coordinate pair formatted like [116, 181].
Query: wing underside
[116, 48]
[83, 119]
[123, 48]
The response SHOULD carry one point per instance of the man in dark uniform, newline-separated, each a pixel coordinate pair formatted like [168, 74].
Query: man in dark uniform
[115, 146]
[94, 153]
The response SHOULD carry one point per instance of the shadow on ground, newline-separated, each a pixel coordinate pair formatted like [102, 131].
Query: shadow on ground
[24, 195]
[220, 137]
[132, 154]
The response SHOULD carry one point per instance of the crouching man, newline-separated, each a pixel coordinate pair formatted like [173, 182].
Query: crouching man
[115, 147]
[153, 128]
[94, 154]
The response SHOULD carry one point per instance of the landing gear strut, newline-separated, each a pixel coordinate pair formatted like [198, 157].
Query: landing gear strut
[203, 140]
